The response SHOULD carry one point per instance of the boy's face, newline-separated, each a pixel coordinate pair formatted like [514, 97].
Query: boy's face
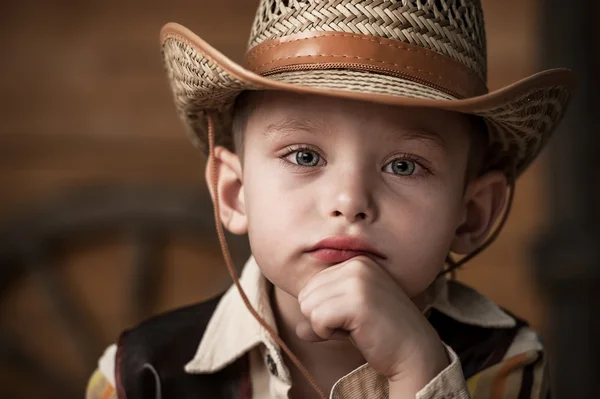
[317, 168]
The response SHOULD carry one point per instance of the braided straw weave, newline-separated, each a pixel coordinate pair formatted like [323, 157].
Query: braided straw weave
[452, 28]
[518, 127]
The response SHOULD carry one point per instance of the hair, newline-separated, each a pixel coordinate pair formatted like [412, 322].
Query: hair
[478, 143]
[246, 103]
[242, 108]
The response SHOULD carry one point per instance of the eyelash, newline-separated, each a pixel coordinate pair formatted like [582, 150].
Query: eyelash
[404, 157]
[420, 162]
[296, 148]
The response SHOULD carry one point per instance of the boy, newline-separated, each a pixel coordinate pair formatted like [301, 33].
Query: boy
[357, 148]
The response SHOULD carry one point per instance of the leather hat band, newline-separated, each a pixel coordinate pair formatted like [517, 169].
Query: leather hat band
[338, 50]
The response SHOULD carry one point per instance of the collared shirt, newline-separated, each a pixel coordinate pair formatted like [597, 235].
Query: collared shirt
[232, 332]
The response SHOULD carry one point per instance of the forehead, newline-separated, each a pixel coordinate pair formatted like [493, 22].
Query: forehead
[281, 113]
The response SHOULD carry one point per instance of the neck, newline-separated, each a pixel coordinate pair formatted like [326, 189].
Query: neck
[327, 361]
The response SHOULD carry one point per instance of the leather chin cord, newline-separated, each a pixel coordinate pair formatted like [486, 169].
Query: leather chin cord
[452, 265]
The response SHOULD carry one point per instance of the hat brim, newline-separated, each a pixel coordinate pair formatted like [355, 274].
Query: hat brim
[520, 116]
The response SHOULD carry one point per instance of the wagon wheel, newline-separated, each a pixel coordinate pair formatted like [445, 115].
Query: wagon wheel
[30, 244]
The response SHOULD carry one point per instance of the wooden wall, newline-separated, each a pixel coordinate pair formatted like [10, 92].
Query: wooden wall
[84, 101]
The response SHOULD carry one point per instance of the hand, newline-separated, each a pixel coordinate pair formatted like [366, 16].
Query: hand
[360, 299]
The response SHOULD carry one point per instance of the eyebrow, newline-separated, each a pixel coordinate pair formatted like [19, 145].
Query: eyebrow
[426, 136]
[288, 125]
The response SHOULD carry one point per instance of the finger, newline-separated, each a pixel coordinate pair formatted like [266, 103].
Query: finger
[329, 318]
[336, 273]
[323, 277]
[318, 295]
[304, 331]
[340, 335]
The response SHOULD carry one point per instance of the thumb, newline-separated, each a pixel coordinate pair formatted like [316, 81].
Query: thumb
[304, 331]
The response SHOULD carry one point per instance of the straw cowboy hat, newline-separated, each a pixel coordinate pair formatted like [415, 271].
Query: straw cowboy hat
[429, 53]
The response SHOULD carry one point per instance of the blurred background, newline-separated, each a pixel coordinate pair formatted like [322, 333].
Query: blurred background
[103, 204]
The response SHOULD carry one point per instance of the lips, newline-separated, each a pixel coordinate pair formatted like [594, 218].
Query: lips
[342, 248]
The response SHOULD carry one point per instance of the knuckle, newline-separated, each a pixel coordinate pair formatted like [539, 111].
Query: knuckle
[319, 323]
[360, 268]
[306, 307]
[358, 285]
[303, 307]
[318, 317]
[357, 265]
[361, 308]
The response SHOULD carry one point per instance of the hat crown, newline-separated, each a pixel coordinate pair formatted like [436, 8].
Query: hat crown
[453, 28]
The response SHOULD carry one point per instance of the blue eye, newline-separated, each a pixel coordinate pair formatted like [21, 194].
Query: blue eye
[303, 157]
[306, 158]
[401, 167]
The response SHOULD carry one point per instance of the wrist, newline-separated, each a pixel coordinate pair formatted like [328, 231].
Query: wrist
[415, 373]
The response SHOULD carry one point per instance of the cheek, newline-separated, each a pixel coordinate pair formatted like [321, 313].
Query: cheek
[276, 200]
[273, 210]
[278, 218]
[424, 230]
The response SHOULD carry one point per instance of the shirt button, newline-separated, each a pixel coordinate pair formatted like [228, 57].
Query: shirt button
[272, 366]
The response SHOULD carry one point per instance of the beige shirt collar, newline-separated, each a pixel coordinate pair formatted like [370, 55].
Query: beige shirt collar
[232, 331]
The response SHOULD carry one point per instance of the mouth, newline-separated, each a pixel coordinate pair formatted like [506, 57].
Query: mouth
[342, 248]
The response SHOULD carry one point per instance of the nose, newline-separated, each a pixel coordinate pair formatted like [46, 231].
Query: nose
[352, 198]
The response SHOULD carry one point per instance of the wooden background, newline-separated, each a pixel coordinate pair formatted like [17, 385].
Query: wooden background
[84, 101]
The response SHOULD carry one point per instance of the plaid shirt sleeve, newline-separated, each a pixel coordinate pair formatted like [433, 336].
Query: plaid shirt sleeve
[99, 388]
[521, 373]
[517, 376]
[524, 375]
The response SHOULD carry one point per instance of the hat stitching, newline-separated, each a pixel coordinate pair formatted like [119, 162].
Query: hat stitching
[253, 53]
[442, 79]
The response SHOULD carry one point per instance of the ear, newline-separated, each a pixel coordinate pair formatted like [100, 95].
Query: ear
[484, 199]
[229, 187]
